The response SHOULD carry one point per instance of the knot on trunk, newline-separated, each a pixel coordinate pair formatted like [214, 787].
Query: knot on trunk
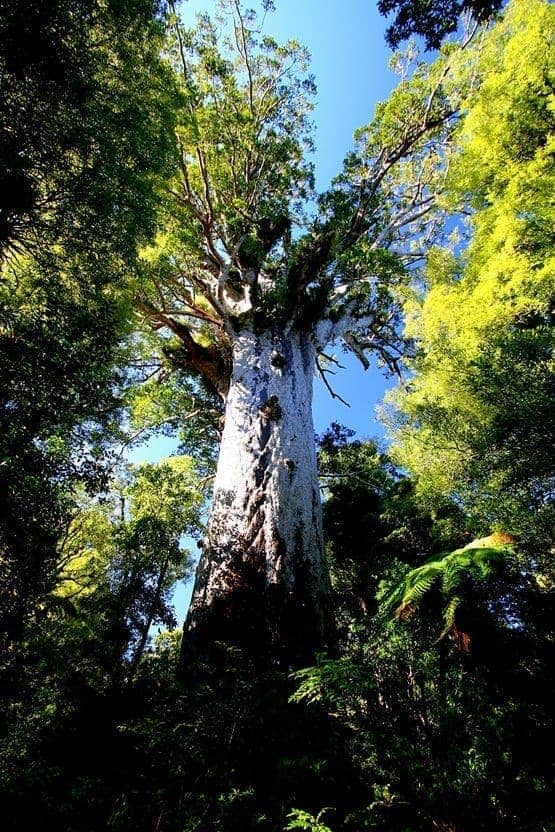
[277, 360]
[271, 409]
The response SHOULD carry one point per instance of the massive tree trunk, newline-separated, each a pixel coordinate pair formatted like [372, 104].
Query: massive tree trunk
[262, 584]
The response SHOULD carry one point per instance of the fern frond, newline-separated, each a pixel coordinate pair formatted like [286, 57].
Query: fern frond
[449, 615]
[417, 584]
[60, 606]
[456, 567]
[480, 560]
[488, 561]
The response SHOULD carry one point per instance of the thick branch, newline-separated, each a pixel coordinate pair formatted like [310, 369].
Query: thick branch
[212, 363]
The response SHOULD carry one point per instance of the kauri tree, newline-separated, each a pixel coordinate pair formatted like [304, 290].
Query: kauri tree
[248, 292]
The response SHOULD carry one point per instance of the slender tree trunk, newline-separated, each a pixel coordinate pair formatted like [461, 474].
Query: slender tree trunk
[262, 584]
[139, 652]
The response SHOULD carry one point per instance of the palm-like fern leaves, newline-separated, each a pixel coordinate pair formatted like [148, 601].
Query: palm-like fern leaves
[480, 560]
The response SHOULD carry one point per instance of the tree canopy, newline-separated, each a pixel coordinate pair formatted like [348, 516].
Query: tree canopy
[240, 246]
[84, 148]
[474, 417]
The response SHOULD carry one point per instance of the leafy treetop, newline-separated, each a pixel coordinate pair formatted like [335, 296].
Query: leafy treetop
[238, 249]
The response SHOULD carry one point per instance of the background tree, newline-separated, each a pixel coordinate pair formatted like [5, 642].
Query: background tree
[371, 515]
[445, 671]
[67, 733]
[71, 129]
[475, 419]
[433, 20]
[84, 147]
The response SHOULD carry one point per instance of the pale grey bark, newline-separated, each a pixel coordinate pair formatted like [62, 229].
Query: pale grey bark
[262, 583]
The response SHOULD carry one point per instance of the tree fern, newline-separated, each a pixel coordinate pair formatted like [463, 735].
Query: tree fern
[481, 560]
[59, 606]
[299, 819]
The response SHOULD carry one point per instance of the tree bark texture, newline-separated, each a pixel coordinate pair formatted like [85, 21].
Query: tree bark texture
[262, 584]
